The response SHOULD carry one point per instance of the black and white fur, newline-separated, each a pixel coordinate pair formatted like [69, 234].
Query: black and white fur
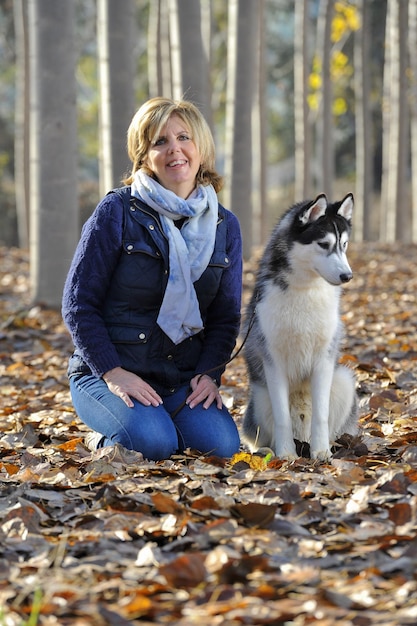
[297, 388]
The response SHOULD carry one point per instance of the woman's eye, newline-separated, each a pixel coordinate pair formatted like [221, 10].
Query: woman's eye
[160, 141]
[184, 137]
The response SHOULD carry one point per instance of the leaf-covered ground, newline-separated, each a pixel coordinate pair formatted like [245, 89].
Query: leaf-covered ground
[107, 538]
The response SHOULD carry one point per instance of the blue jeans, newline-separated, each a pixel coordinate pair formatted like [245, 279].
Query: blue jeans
[154, 431]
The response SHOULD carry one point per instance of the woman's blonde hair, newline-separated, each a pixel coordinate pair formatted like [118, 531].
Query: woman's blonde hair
[146, 127]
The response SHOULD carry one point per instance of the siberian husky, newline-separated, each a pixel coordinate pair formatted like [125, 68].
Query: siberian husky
[297, 388]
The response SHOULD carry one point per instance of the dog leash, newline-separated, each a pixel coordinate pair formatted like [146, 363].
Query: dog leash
[233, 356]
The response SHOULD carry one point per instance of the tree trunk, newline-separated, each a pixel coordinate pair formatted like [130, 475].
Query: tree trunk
[22, 118]
[206, 28]
[53, 152]
[394, 198]
[302, 126]
[176, 66]
[362, 222]
[191, 77]
[412, 33]
[154, 50]
[387, 215]
[206, 35]
[165, 43]
[402, 195]
[241, 50]
[117, 74]
[260, 203]
[324, 136]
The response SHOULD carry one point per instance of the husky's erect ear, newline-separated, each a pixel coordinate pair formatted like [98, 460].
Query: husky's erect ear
[315, 210]
[346, 208]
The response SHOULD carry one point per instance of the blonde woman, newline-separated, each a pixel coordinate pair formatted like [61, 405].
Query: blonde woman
[152, 299]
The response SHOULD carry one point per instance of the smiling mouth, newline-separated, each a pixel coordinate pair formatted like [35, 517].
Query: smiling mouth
[175, 163]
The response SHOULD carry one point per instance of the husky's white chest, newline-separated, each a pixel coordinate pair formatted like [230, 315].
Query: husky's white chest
[299, 324]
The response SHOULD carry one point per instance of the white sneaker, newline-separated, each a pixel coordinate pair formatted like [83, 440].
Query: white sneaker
[92, 440]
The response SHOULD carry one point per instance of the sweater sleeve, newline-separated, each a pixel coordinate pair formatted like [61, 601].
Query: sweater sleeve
[88, 279]
[223, 316]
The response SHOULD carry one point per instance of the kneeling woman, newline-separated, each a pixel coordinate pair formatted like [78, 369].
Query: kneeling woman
[152, 299]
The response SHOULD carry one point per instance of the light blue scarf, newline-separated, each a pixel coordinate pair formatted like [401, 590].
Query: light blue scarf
[190, 250]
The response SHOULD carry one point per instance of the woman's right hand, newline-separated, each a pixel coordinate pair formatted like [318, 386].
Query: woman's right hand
[127, 385]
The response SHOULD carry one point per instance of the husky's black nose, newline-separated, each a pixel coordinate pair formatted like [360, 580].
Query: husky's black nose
[345, 278]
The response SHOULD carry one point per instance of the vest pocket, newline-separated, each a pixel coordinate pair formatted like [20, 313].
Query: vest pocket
[219, 259]
[130, 334]
[141, 247]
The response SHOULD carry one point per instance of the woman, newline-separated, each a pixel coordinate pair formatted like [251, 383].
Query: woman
[152, 298]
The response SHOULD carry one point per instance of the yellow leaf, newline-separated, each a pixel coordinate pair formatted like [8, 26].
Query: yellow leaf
[255, 462]
[70, 446]
[339, 106]
[313, 102]
[10, 468]
[315, 81]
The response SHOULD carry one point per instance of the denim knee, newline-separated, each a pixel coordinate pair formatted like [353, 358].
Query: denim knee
[210, 431]
[153, 448]
[148, 430]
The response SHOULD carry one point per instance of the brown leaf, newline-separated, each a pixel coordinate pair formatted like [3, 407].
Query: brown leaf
[239, 569]
[400, 513]
[138, 605]
[307, 511]
[10, 468]
[398, 484]
[255, 514]
[71, 445]
[165, 504]
[205, 503]
[185, 571]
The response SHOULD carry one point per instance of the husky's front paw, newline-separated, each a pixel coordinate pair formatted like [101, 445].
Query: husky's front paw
[288, 454]
[321, 455]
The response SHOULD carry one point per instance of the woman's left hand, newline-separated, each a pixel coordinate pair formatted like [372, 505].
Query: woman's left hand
[204, 389]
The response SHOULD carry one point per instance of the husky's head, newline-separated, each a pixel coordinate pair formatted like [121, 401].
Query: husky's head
[323, 232]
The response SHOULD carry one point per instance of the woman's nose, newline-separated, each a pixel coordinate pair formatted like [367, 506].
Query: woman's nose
[172, 145]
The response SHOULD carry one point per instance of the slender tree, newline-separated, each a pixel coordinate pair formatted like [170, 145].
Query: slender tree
[53, 150]
[115, 34]
[165, 46]
[207, 28]
[302, 129]
[259, 122]
[394, 203]
[412, 41]
[362, 223]
[387, 215]
[324, 134]
[402, 195]
[191, 76]
[154, 50]
[241, 51]
[206, 38]
[175, 50]
[22, 118]
[159, 49]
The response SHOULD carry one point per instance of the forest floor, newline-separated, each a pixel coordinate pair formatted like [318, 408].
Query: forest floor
[107, 538]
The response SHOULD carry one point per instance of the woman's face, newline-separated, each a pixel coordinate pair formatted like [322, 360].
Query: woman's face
[174, 158]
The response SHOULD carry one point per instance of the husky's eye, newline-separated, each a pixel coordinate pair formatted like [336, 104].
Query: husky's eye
[324, 244]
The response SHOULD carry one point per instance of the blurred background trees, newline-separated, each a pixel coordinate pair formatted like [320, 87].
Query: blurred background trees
[303, 96]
